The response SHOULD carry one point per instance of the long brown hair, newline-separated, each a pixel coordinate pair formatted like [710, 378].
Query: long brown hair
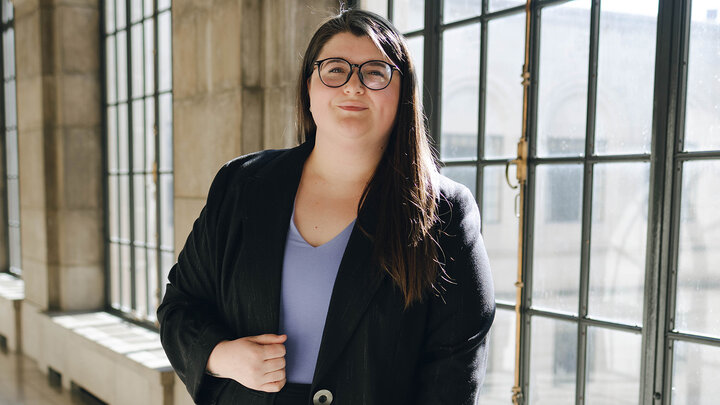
[404, 244]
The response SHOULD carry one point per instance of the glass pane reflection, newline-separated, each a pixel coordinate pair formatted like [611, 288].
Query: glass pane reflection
[499, 377]
[562, 99]
[613, 367]
[619, 232]
[557, 242]
[503, 114]
[625, 76]
[500, 231]
[553, 362]
[702, 121]
[408, 15]
[496, 5]
[461, 67]
[454, 10]
[698, 290]
[695, 374]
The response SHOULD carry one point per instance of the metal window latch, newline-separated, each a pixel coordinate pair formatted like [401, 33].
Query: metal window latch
[520, 164]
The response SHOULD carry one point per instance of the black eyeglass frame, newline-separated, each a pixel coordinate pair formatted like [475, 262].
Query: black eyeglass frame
[317, 64]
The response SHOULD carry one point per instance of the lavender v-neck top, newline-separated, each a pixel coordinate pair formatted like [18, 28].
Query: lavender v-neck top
[308, 278]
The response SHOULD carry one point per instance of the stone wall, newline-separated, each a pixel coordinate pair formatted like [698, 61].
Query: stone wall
[235, 65]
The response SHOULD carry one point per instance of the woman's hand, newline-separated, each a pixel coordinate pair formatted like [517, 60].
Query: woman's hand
[257, 362]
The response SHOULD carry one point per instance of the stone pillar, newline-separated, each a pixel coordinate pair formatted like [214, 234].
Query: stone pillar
[60, 148]
[235, 65]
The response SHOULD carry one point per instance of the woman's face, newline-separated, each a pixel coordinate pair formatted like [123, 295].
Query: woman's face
[352, 112]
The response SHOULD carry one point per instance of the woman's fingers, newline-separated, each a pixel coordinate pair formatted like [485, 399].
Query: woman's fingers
[274, 364]
[274, 386]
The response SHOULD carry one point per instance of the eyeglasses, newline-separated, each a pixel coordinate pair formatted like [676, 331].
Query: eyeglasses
[373, 74]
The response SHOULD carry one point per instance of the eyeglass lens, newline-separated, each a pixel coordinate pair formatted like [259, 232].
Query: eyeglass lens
[374, 75]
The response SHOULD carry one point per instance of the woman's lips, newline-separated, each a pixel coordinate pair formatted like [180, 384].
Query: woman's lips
[352, 108]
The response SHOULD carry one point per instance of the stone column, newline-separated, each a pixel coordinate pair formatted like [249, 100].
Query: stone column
[60, 148]
[235, 65]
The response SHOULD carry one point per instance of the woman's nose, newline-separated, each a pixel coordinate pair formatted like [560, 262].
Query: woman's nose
[354, 85]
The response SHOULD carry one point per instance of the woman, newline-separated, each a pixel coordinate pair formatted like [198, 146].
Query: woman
[345, 270]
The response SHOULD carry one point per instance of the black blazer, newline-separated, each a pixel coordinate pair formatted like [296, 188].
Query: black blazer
[226, 285]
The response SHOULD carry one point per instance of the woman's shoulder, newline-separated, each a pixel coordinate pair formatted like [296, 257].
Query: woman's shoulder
[452, 195]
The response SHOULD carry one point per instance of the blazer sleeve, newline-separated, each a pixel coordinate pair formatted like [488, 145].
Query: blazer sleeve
[190, 324]
[454, 353]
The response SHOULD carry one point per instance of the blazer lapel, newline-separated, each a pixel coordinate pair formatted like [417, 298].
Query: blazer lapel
[271, 193]
[356, 283]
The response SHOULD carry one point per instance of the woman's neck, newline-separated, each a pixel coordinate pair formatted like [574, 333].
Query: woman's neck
[349, 162]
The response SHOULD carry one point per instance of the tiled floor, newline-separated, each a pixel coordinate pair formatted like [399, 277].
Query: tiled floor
[22, 383]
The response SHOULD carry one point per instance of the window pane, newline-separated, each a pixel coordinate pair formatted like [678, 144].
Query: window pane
[140, 281]
[120, 14]
[138, 135]
[562, 99]
[15, 251]
[464, 175]
[454, 10]
[698, 290]
[495, 5]
[113, 207]
[125, 269]
[149, 134]
[613, 367]
[164, 51]
[112, 139]
[166, 211]
[148, 8]
[111, 85]
[553, 362]
[13, 194]
[122, 73]
[109, 16]
[163, 4]
[702, 121]
[149, 57]
[10, 104]
[503, 114]
[408, 15]
[139, 205]
[136, 33]
[166, 145]
[135, 10]
[151, 192]
[500, 377]
[114, 275]
[619, 232]
[417, 52]
[556, 260]
[153, 302]
[12, 153]
[376, 6]
[123, 137]
[500, 231]
[124, 211]
[625, 76]
[695, 374]
[9, 52]
[461, 67]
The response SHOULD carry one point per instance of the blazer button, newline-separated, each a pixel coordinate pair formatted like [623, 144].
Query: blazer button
[322, 397]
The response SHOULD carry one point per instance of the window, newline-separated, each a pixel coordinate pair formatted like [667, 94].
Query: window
[620, 231]
[10, 132]
[139, 169]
